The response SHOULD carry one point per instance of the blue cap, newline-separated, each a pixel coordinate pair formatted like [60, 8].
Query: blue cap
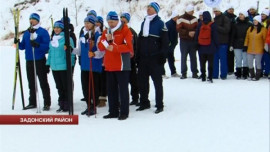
[155, 6]
[112, 15]
[58, 24]
[100, 19]
[34, 16]
[126, 15]
[90, 19]
[92, 12]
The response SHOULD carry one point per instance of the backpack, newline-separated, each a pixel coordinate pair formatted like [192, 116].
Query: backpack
[205, 34]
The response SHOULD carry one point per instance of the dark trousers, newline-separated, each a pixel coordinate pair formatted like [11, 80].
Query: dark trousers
[203, 59]
[188, 48]
[85, 87]
[220, 62]
[117, 85]
[230, 58]
[102, 83]
[171, 59]
[134, 81]
[60, 78]
[41, 71]
[150, 67]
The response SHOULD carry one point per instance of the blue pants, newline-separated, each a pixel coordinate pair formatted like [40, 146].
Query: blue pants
[266, 63]
[221, 56]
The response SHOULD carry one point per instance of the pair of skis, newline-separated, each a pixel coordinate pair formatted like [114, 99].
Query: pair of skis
[16, 17]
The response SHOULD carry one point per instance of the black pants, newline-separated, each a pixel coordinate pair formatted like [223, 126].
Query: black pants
[203, 59]
[171, 59]
[188, 47]
[150, 67]
[134, 81]
[230, 59]
[41, 71]
[102, 84]
[85, 87]
[60, 78]
[117, 84]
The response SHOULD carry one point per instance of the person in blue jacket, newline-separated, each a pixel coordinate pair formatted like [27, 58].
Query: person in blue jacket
[36, 39]
[88, 49]
[57, 62]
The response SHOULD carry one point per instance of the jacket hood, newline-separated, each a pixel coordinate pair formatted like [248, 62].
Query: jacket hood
[207, 17]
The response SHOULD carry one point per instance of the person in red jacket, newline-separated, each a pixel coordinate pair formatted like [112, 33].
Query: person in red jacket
[116, 41]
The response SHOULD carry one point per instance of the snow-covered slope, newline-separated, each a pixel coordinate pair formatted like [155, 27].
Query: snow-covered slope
[53, 9]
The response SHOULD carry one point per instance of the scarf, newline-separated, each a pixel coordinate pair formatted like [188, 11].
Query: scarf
[146, 25]
[55, 39]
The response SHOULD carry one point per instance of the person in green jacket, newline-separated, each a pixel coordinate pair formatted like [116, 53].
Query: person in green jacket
[57, 62]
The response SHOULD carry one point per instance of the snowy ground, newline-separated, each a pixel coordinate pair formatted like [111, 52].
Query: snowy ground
[226, 116]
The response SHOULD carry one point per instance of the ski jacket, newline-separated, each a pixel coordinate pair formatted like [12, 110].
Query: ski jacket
[185, 24]
[42, 38]
[84, 46]
[57, 55]
[172, 33]
[255, 41]
[119, 58]
[223, 28]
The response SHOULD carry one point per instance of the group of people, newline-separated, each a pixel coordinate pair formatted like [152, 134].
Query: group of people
[111, 58]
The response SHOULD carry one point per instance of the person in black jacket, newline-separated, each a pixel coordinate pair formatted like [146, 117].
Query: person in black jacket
[173, 38]
[152, 49]
[125, 18]
[238, 36]
[223, 27]
[230, 54]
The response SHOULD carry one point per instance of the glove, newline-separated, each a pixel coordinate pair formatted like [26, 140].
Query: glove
[47, 69]
[162, 59]
[266, 47]
[231, 48]
[245, 49]
[91, 54]
[34, 43]
[16, 40]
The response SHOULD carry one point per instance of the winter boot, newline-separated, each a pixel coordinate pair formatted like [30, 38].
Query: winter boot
[238, 73]
[252, 73]
[245, 72]
[102, 101]
[258, 74]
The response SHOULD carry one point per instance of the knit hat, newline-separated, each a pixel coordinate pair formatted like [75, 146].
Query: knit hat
[155, 6]
[258, 18]
[217, 8]
[189, 8]
[265, 12]
[34, 16]
[90, 19]
[100, 19]
[62, 19]
[245, 13]
[58, 24]
[112, 15]
[201, 12]
[92, 12]
[253, 7]
[126, 15]
[174, 14]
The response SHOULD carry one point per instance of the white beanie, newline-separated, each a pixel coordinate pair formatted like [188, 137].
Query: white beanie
[258, 18]
[217, 8]
[230, 6]
[174, 14]
[200, 12]
[265, 12]
[245, 13]
[189, 8]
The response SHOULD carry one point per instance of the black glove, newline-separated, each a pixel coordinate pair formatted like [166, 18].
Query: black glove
[34, 43]
[47, 69]
[162, 59]
[245, 49]
[16, 40]
[86, 36]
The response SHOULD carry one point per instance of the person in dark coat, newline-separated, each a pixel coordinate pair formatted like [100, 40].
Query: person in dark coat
[36, 38]
[252, 12]
[238, 36]
[173, 38]
[220, 59]
[125, 18]
[207, 52]
[230, 54]
[152, 49]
